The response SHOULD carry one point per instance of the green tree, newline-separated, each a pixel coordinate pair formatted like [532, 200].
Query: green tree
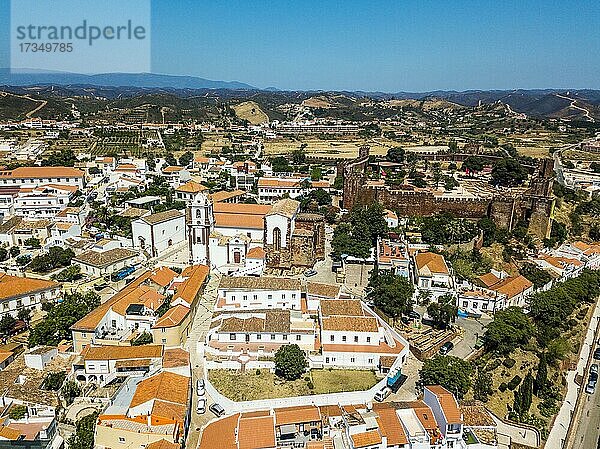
[508, 172]
[69, 274]
[511, 328]
[450, 372]
[70, 390]
[280, 164]
[24, 314]
[3, 254]
[84, 433]
[56, 326]
[7, 323]
[395, 154]
[541, 377]
[472, 164]
[14, 251]
[535, 274]
[54, 380]
[443, 312]
[290, 362]
[488, 226]
[299, 155]
[391, 294]
[145, 338]
[32, 242]
[523, 397]
[17, 412]
[482, 385]
[186, 158]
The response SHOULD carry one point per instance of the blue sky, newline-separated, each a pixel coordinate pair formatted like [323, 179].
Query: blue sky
[415, 45]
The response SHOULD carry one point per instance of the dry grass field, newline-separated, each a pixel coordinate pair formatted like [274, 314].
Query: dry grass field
[344, 147]
[251, 111]
[262, 384]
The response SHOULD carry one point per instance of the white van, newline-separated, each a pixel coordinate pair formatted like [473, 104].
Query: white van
[201, 406]
[382, 394]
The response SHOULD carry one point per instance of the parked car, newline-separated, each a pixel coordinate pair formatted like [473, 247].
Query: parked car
[309, 273]
[382, 394]
[594, 368]
[414, 315]
[201, 406]
[100, 287]
[446, 348]
[593, 377]
[590, 388]
[217, 409]
[597, 354]
[200, 387]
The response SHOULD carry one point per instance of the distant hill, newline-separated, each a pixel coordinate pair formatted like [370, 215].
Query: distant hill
[151, 80]
[182, 93]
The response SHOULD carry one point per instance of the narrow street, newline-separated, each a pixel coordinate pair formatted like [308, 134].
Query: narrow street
[194, 345]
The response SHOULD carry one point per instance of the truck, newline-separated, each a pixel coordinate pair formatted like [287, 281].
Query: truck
[122, 274]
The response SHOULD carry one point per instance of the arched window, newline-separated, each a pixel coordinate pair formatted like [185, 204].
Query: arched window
[277, 239]
[198, 212]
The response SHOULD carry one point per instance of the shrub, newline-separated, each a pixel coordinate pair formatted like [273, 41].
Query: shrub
[502, 387]
[508, 362]
[514, 382]
[493, 365]
[17, 412]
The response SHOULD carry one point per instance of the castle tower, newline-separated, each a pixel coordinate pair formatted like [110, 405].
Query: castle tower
[201, 222]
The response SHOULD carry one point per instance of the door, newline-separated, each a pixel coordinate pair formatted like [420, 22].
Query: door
[236, 257]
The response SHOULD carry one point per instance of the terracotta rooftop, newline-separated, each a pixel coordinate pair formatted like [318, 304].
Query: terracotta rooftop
[256, 432]
[255, 253]
[286, 207]
[122, 352]
[220, 434]
[512, 286]
[366, 439]
[391, 427]
[191, 187]
[161, 217]
[176, 357]
[172, 317]
[259, 283]
[350, 323]
[17, 286]
[42, 172]
[223, 195]
[162, 276]
[345, 307]
[104, 259]
[166, 386]
[322, 290]
[429, 263]
[195, 279]
[163, 444]
[448, 404]
[297, 415]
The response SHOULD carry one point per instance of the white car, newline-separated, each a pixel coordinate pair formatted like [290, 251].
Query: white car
[201, 406]
[200, 387]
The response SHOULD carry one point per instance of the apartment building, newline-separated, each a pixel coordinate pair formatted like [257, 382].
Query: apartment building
[434, 422]
[103, 364]
[516, 289]
[393, 255]
[44, 201]
[249, 292]
[101, 263]
[133, 310]
[18, 293]
[35, 176]
[272, 189]
[352, 337]
[432, 274]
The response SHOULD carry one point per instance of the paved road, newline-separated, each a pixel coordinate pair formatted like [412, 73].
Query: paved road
[588, 430]
[194, 345]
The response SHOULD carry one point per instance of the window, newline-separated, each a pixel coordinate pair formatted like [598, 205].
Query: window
[332, 338]
[285, 337]
[232, 336]
[272, 336]
[255, 297]
[245, 298]
[368, 339]
[465, 304]
[356, 339]
[258, 336]
[283, 296]
[276, 239]
[370, 361]
[298, 337]
[293, 295]
[270, 297]
[164, 341]
[352, 359]
[163, 329]
[343, 338]
[121, 439]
